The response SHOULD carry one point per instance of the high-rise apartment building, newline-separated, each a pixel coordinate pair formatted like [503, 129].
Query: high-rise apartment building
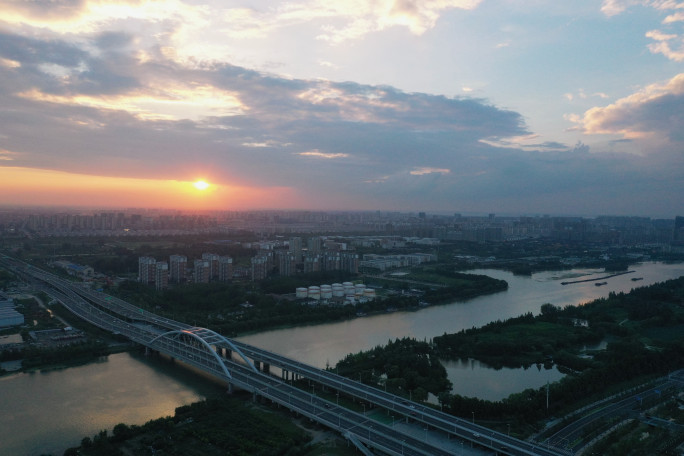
[161, 281]
[146, 269]
[225, 269]
[295, 248]
[259, 267]
[201, 271]
[330, 261]
[349, 262]
[177, 268]
[315, 245]
[312, 263]
[213, 260]
[287, 265]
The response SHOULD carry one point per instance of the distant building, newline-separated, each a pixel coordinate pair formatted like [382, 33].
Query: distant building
[295, 248]
[315, 245]
[349, 262]
[8, 315]
[225, 269]
[201, 271]
[287, 264]
[312, 262]
[178, 268]
[146, 269]
[330, 261]
[161, 278]
[678, 233]
[259, 267]
[213, 260]
[76, 270]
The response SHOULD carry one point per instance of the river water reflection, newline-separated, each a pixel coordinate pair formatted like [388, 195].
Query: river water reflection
[471, 378]
[47, 412]
[321, 345]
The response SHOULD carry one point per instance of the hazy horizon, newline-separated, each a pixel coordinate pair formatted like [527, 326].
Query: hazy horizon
[67, 208]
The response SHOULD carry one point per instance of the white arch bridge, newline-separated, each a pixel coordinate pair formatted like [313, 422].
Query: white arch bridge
[269, 375]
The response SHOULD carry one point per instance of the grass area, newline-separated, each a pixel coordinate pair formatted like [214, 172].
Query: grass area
[337, 448]
[430, 277]
[665, 334]
[514, 343]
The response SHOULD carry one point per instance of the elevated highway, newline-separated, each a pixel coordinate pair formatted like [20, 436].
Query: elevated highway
[251, 369]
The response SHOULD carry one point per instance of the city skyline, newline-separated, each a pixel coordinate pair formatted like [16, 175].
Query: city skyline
[463, 105]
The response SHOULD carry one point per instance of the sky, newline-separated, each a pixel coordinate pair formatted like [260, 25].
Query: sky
[503, 106]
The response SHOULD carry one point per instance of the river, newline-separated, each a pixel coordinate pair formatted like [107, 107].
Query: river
[47, 412]
[326, 344]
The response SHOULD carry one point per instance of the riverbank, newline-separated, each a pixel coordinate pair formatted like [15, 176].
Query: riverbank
[76, 355]
[596, 279]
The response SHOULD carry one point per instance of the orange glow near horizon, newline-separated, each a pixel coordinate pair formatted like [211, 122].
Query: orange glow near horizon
[28, 186]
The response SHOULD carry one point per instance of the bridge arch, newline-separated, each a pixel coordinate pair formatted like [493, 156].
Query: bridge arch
[207, 338]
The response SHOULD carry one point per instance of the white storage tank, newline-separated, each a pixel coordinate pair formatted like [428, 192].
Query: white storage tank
[369, 293]
[326, 292]
[347, 284]
[358, 289]
[338, 291]
[315, 292]
[302, 292]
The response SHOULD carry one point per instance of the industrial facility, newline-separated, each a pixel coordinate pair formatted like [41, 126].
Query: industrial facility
[8, 315]
[337, 293]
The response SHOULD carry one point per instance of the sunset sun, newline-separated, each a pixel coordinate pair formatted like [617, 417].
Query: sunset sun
[201, 185]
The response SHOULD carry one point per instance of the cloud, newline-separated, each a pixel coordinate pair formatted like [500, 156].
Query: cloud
[427, 170]
[663, 45]
[111, 111]
[358, 18]
[615, 7]
[319, 154]
[186, 26]
[525, 142]
[7, 155]
[669, 43]
[654, 110]
[677, 17]
[83, 91]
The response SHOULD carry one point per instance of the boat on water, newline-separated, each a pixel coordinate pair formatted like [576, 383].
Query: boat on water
[598, 284]
[634, 279]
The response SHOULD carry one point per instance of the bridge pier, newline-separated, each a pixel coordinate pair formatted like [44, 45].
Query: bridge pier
[266, 368]
[230, 388]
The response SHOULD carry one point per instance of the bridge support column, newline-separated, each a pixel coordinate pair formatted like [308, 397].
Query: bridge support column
[257, 364]
[147, 351]
[267, 368]
[230, 388]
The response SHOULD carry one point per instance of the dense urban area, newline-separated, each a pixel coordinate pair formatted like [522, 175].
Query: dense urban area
[244, 272]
